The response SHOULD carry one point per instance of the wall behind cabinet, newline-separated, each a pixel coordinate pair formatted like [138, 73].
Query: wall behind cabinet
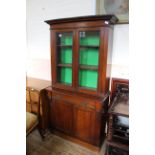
[120, 55]
[38, 36]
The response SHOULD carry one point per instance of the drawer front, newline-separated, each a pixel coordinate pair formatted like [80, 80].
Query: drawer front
[75, 100]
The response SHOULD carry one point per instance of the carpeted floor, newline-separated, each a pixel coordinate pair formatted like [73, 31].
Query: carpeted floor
[54, 145]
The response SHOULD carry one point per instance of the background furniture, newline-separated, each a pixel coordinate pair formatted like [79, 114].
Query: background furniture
[118, 125]
[38, 97]
[81, 66]
[32, 118]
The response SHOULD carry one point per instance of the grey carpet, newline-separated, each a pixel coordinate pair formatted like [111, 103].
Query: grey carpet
[54, 145]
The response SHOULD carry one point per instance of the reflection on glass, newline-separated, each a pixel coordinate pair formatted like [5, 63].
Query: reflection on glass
[64, 41]
[89, 38]
[64, 38]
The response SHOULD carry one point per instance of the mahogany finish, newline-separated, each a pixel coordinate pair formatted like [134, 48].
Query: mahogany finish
[77, 111]
[78, 116]
[106, 33]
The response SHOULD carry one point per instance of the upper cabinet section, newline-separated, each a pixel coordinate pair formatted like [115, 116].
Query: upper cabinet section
[80, 56]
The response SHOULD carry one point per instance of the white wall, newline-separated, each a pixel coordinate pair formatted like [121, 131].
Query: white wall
[120, 55]
[38, 35]
[38, 39]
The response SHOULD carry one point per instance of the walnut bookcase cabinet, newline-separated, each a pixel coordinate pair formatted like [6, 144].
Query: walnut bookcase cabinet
[81, 65]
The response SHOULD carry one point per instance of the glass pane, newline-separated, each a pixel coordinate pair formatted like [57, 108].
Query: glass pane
[64, 51]
[65, 75]
[89, 56]
[65, 55]
[64, 38]
[88, 78]
[90, 38]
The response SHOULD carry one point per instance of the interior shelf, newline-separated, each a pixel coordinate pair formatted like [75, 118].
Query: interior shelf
[68, 46]
[89, 46]
[88, 67]
[64, 65]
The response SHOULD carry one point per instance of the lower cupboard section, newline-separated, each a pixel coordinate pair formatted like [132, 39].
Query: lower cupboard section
[78, 120]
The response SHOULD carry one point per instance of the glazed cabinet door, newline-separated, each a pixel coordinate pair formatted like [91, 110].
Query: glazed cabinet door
[90, 49]
[84, 123]
[61, 116]
[89, 45]
[92, 46]
[62, 58]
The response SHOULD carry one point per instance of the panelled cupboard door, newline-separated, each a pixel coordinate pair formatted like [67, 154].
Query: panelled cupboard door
[84, 123]
[61, 115]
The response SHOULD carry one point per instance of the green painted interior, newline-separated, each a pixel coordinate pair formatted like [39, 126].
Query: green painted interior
[65, 55]
[64, 38]
[89, 56]
[88, 78]
[90, 38]
[65, 75]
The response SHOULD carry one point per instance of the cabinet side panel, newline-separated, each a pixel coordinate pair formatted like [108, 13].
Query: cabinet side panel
[53, 57]
[109, 58]
[103, 60]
